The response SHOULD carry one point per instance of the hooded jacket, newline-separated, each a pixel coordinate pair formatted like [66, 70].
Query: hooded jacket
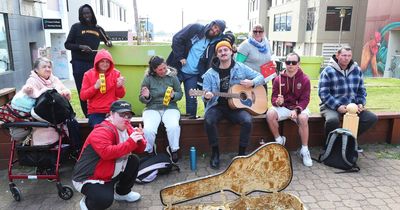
[99, 102]
[185, 38]
[338, 87]
[40, 85]
[82, 33]
[157, 87]
[100, 152]
[295, 90]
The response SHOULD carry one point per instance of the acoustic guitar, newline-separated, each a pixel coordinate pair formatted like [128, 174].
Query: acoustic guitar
[253, 100]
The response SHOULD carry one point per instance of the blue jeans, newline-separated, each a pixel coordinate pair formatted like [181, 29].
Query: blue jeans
[79, 68]
[236, 116]
[96, 118]
[189, 82]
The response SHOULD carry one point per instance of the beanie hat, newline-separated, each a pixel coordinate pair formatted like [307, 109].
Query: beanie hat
[221, 24]
[223, 43]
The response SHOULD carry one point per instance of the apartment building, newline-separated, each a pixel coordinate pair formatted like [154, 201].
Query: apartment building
[315, 27]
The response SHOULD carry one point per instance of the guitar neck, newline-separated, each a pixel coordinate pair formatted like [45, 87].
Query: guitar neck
[227, 95]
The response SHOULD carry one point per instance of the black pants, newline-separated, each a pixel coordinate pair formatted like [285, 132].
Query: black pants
[79, 68]
[101, 196]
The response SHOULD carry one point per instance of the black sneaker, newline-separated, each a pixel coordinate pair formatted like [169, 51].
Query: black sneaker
[173, 155]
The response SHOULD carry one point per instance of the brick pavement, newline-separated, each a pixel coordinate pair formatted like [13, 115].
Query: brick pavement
[376, 186]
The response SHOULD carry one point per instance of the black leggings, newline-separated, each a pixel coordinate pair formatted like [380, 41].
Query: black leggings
[101, 196]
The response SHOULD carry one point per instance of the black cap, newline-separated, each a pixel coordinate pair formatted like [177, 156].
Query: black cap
[121, 106]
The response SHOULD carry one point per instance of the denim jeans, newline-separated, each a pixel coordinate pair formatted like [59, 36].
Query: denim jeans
[79, 68]
[96, 118]
[367, 119]
[236, 116]
[189, 82]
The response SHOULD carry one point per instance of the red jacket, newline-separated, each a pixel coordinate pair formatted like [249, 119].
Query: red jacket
[295, 90]
[101, 150]
[98, 102]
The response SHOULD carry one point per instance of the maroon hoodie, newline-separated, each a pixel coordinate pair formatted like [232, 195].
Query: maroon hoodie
[295, 90]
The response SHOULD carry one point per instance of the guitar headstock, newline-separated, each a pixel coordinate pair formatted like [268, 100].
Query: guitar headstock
[196, 92]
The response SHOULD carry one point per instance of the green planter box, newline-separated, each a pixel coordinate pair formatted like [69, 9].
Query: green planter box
[132, 61]
[311, 65]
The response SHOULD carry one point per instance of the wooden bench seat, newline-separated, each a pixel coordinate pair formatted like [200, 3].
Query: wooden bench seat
[387, 130]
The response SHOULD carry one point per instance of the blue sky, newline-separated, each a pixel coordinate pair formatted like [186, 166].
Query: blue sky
[166, 15]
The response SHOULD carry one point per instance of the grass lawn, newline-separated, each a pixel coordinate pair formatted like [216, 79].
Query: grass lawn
[383, 96]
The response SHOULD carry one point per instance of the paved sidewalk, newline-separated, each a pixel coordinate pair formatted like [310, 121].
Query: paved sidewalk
[376, 186]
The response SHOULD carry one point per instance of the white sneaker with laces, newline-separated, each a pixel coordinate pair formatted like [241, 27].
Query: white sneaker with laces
[307, 161]
[281, 141]
[82, 204]
[130, 197]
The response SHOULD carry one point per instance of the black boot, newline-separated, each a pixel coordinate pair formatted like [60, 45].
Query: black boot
[242, 151]
[214, 162]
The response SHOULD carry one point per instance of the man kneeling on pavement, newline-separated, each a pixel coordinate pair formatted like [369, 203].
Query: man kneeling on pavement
[107, 160]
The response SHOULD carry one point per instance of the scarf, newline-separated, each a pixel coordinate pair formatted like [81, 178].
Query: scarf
[261, 46]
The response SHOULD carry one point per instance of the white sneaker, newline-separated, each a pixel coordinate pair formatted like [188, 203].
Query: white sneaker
[130, 197]
[307, 161]
[82, 204]
[281, 141]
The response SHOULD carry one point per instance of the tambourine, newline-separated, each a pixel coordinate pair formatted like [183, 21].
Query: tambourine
[102, 78]
[167, 96]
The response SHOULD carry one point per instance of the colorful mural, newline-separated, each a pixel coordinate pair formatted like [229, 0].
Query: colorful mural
[380, 20]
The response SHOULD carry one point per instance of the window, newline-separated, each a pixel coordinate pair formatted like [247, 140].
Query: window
[310, 19]
[101, 7]
[5, 59]
[333, 18]
[283, 22]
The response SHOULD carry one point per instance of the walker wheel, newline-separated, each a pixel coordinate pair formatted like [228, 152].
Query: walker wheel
[66, 193]
[16, 193]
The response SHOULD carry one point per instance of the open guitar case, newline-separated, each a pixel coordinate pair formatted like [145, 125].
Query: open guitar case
[268, 171]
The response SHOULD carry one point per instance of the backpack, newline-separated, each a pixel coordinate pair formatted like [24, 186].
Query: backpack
[340, 151]
[52, 107]
[151, 166]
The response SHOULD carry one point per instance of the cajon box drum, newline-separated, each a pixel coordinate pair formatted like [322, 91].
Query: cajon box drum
[268, 171]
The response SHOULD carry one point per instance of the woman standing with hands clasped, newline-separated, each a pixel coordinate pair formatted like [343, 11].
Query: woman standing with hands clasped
[160, 91]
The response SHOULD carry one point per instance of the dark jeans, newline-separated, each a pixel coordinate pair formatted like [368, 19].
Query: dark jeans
[96, 118]
[189, 82]
[367, 119]
[79, 68]
[101, 196]
[237, 116]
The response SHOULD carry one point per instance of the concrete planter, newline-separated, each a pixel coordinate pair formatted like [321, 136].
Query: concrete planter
[132, 61]
[311, 65]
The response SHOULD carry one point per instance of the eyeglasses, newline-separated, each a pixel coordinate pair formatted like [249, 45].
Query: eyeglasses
[291, 62]
[126, 115]
[258, 32]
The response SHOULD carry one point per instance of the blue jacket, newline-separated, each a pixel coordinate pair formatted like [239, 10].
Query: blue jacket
[211, 80]
[337, 87]
[185, 38]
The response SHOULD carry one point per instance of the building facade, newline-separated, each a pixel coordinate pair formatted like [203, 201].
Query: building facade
[316, 27]
[21, 35]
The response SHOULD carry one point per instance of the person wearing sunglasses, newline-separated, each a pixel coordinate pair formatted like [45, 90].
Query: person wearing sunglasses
[290, 98]
[255, 51]
[107, 167]
[160, 92]
[340, 84]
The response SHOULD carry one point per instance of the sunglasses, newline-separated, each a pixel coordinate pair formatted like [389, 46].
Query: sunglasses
[126, 115]
[258, 32]
[291, 62]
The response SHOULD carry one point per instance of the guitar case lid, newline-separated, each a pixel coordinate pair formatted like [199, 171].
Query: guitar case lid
[268, 169]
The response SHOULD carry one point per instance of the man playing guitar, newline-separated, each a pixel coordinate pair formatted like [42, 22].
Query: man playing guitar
[223, 74]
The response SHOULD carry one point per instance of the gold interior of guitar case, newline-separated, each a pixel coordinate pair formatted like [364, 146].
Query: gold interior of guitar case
[267, 170]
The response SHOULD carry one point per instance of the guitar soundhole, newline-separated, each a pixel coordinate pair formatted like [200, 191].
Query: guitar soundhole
[243, 96]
